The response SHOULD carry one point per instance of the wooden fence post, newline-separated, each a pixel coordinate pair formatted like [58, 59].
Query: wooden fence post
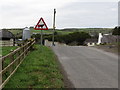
[23, 49]
[11, 60]
[0, 71]
[18, 54]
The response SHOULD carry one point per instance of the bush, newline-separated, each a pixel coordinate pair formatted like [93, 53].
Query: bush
[116, 31]
[77, 38]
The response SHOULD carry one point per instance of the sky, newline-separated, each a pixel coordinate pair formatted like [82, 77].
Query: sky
[69, 13]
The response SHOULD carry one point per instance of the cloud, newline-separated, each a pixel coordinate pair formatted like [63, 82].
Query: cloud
[90, 14]
[70, 13]
[114, 9]
[18, 12]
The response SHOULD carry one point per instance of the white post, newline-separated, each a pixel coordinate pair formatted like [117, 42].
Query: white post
[99, 38]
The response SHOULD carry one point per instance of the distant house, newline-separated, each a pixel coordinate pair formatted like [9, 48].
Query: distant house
[91, 42]
[6, 38]
[103, 39]
[106, 39]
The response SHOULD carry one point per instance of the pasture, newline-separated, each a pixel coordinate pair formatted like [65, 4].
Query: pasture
[15, 31]
[65, 31]
[7, 49]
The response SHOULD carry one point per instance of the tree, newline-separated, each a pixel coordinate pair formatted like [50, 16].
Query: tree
[76, 37]
[116, 31]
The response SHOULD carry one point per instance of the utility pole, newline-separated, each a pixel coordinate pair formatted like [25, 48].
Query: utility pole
[53, 27]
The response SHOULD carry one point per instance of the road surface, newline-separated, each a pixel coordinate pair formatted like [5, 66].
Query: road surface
[88, 67]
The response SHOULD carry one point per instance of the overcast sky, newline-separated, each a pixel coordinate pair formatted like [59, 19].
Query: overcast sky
[70, 13]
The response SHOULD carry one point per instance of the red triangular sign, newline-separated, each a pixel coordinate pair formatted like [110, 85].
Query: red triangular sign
[41, 25]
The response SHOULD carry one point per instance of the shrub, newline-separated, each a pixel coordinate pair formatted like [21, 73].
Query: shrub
[116, 31]
[77, 37]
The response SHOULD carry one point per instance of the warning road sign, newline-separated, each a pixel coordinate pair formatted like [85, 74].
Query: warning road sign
[41, 25]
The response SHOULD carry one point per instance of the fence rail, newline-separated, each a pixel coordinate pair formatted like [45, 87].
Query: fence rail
[11, 43]
[11, 62]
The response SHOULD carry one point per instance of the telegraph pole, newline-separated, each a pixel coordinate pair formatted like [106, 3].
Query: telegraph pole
[53, 27]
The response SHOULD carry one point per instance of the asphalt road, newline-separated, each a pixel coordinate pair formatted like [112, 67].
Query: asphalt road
[88, 67]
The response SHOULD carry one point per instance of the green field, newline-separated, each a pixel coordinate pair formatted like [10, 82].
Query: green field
[6, 49]
[15, 31]
[38, 70]
[39, 31]
[67, 31]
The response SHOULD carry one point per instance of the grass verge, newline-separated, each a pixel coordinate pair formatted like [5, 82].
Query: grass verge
[38, 70]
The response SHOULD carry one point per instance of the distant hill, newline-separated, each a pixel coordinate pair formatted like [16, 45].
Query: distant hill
[91, 31]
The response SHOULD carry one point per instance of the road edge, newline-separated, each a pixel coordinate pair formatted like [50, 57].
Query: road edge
[66, 81]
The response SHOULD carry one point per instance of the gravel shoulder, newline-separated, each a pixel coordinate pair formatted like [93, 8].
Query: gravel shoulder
[109, 48]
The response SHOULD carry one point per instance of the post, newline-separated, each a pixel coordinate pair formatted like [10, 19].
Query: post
[1, 73]
[11, 60]
[41, 37]
[53, 28]
[1, 65]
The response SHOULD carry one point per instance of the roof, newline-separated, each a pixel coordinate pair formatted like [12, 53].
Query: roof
[5, 34]
[110, 38]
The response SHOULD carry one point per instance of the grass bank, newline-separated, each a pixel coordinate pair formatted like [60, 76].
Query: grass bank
[38, 70]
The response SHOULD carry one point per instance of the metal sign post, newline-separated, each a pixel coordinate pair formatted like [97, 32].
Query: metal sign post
[41, 37]
[41, 25]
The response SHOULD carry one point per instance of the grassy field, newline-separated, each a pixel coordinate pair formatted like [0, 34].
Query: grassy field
[15, 31]
[7, 49]
[38, 70]
[67, 31]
